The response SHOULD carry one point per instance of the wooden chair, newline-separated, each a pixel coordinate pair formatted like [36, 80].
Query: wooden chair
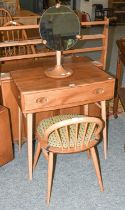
[68, 134]
[5, 16]
[101, 63]
[10, 51]
[15, 35]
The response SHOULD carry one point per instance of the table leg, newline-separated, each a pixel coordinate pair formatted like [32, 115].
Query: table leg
[30, 140]
[103, 113]
[20, 129]
[118, 84]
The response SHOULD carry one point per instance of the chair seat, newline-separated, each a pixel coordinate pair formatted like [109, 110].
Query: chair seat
[53, 140]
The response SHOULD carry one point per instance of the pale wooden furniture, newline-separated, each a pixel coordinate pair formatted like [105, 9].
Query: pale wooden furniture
[5, 16]
[26, 17]
[16, 36]
[6, 150]
[120, 88]
[32, 64]
[35, 92]
[67, 134]
[103, 37]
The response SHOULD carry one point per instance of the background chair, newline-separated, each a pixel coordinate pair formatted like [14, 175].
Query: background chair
[11, 36]
[5, 16]
[15, 35]
[68, 134]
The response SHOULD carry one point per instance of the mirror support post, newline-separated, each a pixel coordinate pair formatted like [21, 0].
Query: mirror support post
[58, 71]
[58, 58]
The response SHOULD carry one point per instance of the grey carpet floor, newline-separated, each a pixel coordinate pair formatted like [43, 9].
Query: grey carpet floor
[75, 185]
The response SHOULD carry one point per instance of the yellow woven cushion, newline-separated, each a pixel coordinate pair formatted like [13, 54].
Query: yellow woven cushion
[53, 141]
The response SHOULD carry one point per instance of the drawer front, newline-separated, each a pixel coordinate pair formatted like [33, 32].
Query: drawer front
[68, 97]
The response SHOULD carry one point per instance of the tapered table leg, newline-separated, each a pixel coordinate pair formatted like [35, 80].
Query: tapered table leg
[30, 140]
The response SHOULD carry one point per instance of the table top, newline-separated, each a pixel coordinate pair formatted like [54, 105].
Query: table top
[33, 78]
[35, 92]
[21, 13]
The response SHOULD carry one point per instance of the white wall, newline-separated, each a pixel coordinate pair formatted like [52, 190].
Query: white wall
[104, 2]
[86, 6]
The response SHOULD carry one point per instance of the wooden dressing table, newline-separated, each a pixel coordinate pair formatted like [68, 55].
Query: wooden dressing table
[34, 92]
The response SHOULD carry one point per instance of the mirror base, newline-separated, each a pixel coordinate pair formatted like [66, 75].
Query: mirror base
[58, 72]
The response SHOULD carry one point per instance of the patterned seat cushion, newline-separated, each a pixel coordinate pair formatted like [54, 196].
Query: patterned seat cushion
[53, 140]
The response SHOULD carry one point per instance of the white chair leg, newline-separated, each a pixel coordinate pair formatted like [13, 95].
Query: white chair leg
[37, 153]
[96, 165]
[50, 173]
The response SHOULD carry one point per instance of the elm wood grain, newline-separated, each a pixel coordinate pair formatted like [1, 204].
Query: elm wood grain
[6, 150]
[69, 91]
[51, 94]
[10, 102]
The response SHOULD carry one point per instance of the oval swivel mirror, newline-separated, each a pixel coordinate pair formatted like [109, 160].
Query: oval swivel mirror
[59, 28]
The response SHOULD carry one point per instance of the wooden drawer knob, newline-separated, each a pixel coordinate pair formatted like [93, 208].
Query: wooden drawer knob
[72, 85]
[41, 100]
[99, 91]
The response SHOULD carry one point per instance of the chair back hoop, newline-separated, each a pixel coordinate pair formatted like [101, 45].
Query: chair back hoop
[89, 128]
[15, 36]
[5, 16]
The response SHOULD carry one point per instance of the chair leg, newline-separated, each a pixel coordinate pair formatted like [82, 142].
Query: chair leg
[103, 113]
[119, 72]
[115, 106]
[36, 155]
[50, 173]
[96, 165]
[45, 153]
[20, 129]
[88, 154]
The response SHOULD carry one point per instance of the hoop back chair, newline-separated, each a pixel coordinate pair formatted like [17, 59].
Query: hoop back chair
[5, 16]
[15, 35]
[68, 134]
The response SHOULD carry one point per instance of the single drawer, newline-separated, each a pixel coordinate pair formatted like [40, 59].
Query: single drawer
[67, 97]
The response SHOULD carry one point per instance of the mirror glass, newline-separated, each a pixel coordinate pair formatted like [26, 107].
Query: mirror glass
[59, 26]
